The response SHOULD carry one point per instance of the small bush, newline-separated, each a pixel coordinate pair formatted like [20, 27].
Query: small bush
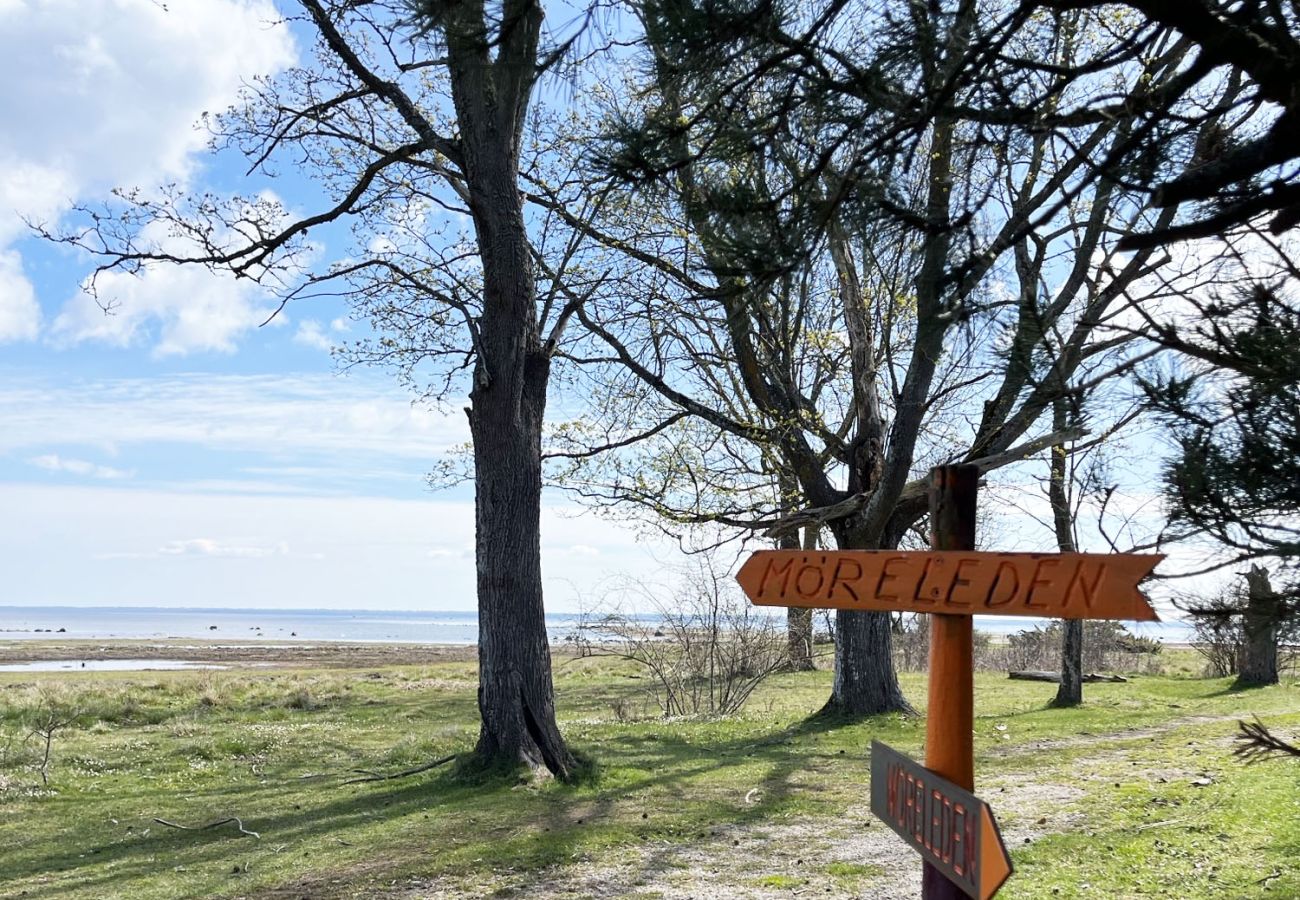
[1107, 647]
[706, 649]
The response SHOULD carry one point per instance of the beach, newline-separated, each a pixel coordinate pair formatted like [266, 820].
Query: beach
[241, 654]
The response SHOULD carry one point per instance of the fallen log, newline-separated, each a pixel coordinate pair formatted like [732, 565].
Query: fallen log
[1055, 677]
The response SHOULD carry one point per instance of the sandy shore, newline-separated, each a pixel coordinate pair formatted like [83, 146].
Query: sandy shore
[297, 654]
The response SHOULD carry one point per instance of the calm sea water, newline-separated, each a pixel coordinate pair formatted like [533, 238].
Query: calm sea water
[19, 622]
[234, 625]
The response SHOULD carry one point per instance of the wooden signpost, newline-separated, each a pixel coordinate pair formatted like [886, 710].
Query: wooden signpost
[952, 829]
[1059, 585]
[953, 583]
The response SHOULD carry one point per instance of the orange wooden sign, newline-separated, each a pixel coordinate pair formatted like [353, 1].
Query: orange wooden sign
[951, 828]
[954, 582]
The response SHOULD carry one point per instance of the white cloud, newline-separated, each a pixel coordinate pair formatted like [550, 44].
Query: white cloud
[180, 310]
[102, 94]
[106, 94]
[20, 314]
[297, 415]
[54, 463]
[145, 547]
[29, 189]
[213, 547]
[311, 334]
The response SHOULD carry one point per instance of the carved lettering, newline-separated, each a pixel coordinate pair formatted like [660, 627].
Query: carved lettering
[936, 824]
[1001, 594]
[956, 597]
[947, 830]
[972, 582]
[774, 568]
[917, 596]
[972, 822]
[887, 575]
[840, 578]
[1086, 590]
[942, 820]
[799, 582]
[955, 582]
[936, 582]
[918, 810]
[958, 842]
[1042, 578]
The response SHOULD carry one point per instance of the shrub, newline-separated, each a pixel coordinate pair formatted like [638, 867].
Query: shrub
[705, 647]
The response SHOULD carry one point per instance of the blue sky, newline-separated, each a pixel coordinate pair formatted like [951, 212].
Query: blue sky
[180, 453]
[177, 453]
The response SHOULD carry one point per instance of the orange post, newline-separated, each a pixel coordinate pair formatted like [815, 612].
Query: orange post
[950, 717]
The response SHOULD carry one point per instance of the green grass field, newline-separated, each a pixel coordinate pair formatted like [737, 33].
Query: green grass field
[1134, 795]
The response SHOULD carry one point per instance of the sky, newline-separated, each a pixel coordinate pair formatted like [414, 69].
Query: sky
[178, 451]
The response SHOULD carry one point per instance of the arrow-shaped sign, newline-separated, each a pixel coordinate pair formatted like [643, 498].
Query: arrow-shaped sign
[954, 582]
[952, 829]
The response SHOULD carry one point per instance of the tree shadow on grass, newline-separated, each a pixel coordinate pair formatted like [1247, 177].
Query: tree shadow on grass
[470, 826]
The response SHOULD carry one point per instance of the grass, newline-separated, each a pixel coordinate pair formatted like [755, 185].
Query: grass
[273, 747]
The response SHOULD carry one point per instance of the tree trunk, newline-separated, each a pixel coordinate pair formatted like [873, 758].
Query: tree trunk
[865, 681]
[799, 622]
[516, 696]
[508, 401]
[1258, 664]
[1070, 693]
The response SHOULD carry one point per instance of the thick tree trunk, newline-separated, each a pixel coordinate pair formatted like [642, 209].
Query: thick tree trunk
[865, 681]
[1258, 664]
[516, 696]
[508, 402]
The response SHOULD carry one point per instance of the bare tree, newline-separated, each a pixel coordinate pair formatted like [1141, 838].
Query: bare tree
[933, 317]
[409, 116]
[48, 718]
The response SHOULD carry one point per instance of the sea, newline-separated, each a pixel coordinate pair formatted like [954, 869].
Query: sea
[348, 625]
[261, 625]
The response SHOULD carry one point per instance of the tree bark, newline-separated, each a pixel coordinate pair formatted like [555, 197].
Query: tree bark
[508, 401]
[516, 695]
[865, 681]
[1070, 693]
[798, 621]
[1258, 664]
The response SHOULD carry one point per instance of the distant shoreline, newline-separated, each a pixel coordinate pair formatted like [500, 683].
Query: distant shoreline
[275, 653]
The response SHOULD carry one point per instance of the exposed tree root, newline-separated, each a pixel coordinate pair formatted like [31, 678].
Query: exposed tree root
[238, 824]
[368, 775]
